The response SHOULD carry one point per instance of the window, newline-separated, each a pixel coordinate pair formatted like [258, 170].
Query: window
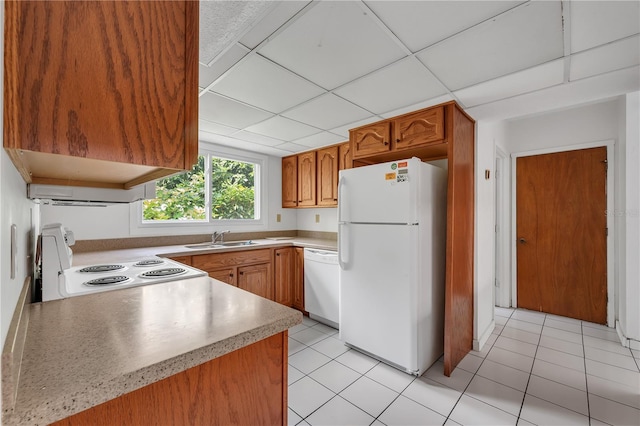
[222, 187]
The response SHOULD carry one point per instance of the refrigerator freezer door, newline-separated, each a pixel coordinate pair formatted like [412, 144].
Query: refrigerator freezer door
[378, 292]
[380, 193]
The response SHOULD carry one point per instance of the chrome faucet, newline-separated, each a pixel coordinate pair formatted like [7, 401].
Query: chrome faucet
[218, 235]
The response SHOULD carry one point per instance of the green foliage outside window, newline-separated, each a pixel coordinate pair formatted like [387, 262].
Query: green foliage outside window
[181, 197]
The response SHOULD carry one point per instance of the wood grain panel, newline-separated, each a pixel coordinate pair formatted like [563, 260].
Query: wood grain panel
[307, 179]
[371, 139]
[213, 261]
[327, 176]
[458, 336]
[290, 181]
[185, 260]
[284, 275]
[344, 156]
[298, 279]
[244, 387]
[561, 232]
[226, 275]
[257, 279]
[420, 128]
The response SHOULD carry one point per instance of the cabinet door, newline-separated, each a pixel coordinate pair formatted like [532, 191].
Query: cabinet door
[421, 128]
[256, 279]
[290, 181]
[344, 156]
[298, 279]
[227, 275]
[327, 176]
[307, 179]
[101, 80]
[372, 139]
[284, 275]
[185, 260]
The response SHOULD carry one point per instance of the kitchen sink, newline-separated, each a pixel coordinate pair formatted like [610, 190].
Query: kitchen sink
[220, 245]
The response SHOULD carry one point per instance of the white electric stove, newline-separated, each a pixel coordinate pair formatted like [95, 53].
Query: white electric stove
[61, 280]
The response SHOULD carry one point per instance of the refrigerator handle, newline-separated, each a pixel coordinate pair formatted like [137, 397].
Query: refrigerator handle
[340, 225]
[340, 185]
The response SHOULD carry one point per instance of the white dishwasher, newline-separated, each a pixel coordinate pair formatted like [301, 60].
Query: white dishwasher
[321, 285]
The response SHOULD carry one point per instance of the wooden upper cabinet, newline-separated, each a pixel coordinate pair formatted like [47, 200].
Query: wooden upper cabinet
[420, 128]
[327, 176]
[101, 93]
[371, 139]
[344, 156]
[290, 181]
[307, 179]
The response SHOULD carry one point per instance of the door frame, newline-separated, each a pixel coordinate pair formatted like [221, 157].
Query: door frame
[609, 144]
[502, 286]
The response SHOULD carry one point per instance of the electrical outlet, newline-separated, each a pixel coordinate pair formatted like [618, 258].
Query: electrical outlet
[278, 217]
[317, 218]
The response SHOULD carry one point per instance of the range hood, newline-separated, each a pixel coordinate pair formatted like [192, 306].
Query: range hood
[59, 195]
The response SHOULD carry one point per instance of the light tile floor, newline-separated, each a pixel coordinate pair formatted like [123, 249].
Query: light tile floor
[535, 369]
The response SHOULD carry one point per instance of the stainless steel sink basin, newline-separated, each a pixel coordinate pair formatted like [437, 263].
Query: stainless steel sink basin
[220, 245]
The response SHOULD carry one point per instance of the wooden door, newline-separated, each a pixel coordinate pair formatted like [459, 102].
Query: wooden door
[226, 275]
[327, 176]
[344, 156]
[422, 128]
[256, 279]
[372, 139]
[298, 279]
[290, 181]
[561, 233]
[284, 270]
[307, 179]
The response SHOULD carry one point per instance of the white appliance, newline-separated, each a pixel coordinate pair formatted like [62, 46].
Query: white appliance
[321, 285]
[391, 246]
[61, 280]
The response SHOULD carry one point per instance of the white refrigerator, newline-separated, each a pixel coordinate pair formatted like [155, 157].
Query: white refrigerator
[391, 252]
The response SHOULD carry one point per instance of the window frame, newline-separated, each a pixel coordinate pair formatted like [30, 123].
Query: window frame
[139, 227]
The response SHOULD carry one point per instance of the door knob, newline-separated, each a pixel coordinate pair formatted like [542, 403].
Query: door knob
[522, 240]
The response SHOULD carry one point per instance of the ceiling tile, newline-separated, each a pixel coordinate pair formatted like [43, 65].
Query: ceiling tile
[332, 44]
[327, 111]
[403, 83]
[231, 142]
[344, 130]
[260, 82]
[274, 152]
[292, 147]
[520, 38]
[211, 127]
[525, 81]
[319, 139]
[419, 24]
[597, 22]
[282, 128]
[224, 22]
[256, 138]
[419, 105]
[270, 23]
[230, 113]
[208, 74]
[614, 56]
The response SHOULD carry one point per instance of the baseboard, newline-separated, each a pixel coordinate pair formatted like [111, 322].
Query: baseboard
[479, 343]
[627, 342]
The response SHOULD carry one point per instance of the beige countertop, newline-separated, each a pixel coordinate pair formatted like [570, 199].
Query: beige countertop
[82, 351]
[123, 255]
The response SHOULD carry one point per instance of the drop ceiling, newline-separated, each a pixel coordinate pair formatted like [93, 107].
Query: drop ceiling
[285, 77]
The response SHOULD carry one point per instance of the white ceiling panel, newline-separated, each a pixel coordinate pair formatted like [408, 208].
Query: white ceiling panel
[327, 111]
[597, 22]
[224, 22]
[419, 24]
[525, 81]
[320, 139]
[332, 44]
[230, 113]
[231, 142]
[292, 147]
[208, 74]
[256, 138]
[212, 127]
[403, 83]
[344, 130]
[282, 128]
[280, 14]
[520, 38]
[614, 56]
[260, 82]
[419, 105]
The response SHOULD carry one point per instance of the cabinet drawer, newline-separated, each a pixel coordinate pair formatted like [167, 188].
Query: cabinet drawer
[209, 262]
[421, 128]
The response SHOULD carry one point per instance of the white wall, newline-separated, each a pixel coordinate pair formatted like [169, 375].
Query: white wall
[328, 219]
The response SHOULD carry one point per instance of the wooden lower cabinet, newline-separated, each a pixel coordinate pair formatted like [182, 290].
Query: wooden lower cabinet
[226, 275]
[284, 275]
[245, 387]
[298, 279]
[257, 279]
[185, 260]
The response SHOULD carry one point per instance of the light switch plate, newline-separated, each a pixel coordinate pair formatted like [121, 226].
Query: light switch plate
[278, 217]
[317, 218]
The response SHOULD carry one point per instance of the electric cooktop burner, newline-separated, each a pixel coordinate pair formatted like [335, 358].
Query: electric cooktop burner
[101, 268]
[149, 262]
[114, 279]
[163, 272]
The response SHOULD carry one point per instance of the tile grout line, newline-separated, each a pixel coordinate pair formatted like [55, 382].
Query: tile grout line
[524, 397]
[586, 382]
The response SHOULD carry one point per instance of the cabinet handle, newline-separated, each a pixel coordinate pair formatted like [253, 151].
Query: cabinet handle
[231, 275]
[385, 143]
[397, 140]
[335, 199]
[241, 273]
[277, 254]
